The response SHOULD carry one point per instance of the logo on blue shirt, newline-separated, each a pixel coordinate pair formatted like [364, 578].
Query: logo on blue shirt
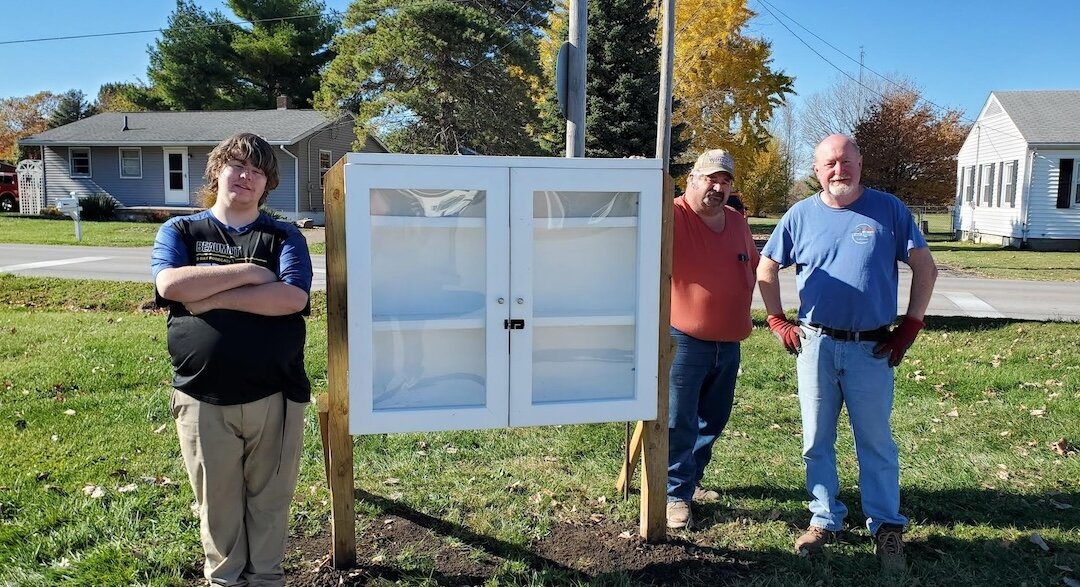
[863, 234]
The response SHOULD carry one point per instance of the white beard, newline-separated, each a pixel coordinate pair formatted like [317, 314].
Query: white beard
[842, 189]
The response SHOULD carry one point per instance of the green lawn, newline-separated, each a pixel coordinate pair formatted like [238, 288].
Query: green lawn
[61, 231]
[92, 490]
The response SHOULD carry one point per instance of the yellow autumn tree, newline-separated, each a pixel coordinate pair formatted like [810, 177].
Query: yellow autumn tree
[724, 84]
[21, 117]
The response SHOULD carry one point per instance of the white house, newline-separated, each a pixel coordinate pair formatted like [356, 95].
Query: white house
[1018, 173]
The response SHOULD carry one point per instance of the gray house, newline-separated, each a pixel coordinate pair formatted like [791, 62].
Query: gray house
[156, 160]
[1018, 172]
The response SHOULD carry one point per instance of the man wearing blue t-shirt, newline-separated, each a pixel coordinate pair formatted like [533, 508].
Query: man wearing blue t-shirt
[845, 242]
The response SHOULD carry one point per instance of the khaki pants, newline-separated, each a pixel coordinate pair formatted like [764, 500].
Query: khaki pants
[242, 462]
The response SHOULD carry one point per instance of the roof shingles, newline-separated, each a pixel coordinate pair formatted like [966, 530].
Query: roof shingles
[278, 127]
[1044, 116]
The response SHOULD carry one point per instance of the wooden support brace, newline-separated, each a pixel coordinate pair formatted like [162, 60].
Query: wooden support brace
[627, 472]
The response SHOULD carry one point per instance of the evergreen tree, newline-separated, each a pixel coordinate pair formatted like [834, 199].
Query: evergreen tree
[438, 76]
[622, 82]
[193, 65]
[70, 106]
[204, 61]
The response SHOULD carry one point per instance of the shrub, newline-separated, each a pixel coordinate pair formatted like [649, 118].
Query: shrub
[97, 207]
[273, 213]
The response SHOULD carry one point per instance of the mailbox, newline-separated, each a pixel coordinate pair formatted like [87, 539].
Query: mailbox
[69, 206]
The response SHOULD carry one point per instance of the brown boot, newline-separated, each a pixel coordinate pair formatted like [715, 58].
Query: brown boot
[703, 495]
[813, 540]
[889, 547]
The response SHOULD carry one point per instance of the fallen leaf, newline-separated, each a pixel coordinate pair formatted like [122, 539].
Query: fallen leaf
[550, 458]
[392, 481]
[93, 491]
[1038, 541]
[1038, 413]
[954, 413]
[69, 412]
[1003, 475]
[396, 496]
[378, 558]
[1061, 446]
[596, 518]
[161, 429]
[626, 535]
[128, 488]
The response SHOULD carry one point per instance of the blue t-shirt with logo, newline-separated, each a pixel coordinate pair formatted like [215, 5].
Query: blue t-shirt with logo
[846, 258]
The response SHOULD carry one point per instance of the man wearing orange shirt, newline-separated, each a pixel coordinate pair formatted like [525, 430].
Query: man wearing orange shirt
[712, 284]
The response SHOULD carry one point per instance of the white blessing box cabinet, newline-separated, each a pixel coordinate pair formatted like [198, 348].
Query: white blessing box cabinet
[486, 292]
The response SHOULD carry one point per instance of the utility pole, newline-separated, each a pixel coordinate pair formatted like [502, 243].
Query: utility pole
[575, 78]
[667, 64]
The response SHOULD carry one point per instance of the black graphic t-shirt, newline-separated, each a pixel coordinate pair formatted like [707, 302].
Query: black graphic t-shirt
[229, 357]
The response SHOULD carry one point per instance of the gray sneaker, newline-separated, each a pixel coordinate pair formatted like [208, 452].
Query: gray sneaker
[889, 547]
[678, 515]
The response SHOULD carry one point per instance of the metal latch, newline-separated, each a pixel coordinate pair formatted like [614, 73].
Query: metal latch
[514, 324]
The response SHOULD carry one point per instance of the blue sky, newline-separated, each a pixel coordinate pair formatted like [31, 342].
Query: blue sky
[956, 51]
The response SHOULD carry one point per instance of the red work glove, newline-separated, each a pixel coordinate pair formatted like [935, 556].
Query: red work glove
[899, 340]
[787, 331]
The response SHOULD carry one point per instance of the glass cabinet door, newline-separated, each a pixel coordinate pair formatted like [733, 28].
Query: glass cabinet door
[585, 281]
[428, 297]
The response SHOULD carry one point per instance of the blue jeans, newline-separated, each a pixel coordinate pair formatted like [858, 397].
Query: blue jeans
[832, 374]
[700, 394]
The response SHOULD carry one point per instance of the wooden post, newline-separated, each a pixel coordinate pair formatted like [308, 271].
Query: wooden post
[654, 435]
[339, 447]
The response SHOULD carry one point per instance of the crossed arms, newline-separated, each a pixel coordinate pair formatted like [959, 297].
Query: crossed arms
[241, 286]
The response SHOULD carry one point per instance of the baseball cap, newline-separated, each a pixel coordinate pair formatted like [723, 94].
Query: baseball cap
[714, 160]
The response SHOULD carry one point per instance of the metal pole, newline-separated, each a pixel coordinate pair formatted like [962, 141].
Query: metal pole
[667, 64]
[575, 91]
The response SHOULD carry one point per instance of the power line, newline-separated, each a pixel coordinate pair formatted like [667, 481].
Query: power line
[192, 28]
[769, 8]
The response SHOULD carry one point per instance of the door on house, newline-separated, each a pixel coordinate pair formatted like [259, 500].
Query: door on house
[176, 176]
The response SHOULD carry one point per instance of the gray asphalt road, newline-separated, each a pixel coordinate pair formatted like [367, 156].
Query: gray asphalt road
[953, 296]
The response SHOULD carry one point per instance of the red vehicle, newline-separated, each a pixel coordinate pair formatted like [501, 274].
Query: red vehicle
[9, 191]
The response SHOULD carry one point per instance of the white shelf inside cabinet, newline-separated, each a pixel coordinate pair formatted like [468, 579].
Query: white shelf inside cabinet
[427, 321]
[592, 223]
[565, 320]
[426, 222]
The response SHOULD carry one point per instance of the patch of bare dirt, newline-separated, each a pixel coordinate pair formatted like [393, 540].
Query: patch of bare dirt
[579, 552]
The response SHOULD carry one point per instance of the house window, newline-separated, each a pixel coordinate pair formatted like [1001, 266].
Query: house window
[325, 161]
[1066, 185]
[79, 161]
[988, 184]
[969, 183]
[130, 162]
[1008, 175]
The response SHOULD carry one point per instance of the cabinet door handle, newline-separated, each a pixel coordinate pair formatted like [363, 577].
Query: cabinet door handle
[501, 300]
[520, 300]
